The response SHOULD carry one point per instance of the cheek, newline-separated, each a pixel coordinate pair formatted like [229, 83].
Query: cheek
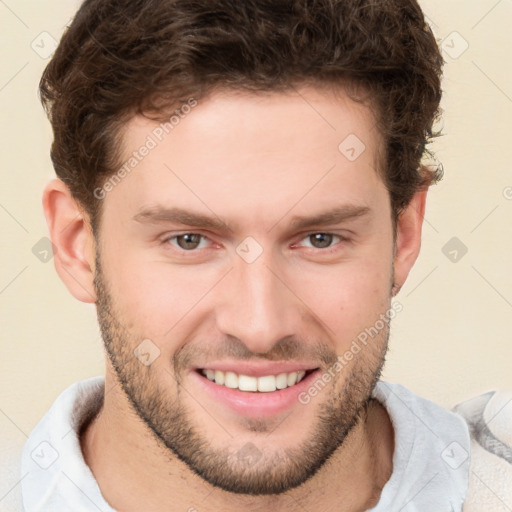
[161, 301]
[149, 296]
[348, 297]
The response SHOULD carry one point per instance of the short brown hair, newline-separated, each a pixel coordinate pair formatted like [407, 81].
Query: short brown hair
[119, 58]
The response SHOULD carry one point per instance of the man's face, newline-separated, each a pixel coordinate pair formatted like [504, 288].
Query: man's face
[258, 295]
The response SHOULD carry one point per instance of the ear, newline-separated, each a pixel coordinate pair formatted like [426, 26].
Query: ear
[71, 233]
[408, 238]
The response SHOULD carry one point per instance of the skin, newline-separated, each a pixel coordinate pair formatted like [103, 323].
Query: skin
[159, 442]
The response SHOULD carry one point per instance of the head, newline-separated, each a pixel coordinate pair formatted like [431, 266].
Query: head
[242, 183]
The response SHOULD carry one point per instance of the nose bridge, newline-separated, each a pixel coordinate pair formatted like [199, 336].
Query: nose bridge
[258, 308]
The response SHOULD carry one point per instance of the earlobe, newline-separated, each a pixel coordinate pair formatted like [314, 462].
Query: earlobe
[70, 232]
[408, 238]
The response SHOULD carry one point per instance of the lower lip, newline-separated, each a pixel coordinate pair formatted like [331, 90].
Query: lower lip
[254, 404]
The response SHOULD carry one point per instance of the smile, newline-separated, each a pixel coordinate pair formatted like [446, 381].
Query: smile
[264, 384]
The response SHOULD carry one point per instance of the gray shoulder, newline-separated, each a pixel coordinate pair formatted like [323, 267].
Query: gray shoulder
[489, 419]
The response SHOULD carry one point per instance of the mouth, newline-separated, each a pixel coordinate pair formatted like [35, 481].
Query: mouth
[263, 384]
[255, 392]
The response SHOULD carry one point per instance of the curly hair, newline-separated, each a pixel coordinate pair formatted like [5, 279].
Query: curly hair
[120, 58]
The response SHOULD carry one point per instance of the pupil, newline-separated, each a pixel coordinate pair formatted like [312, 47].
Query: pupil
[190, 241]
[323, 238]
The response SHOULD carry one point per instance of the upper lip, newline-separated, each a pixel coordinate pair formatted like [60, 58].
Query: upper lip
[260, 369]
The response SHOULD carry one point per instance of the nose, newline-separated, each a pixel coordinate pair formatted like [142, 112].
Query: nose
[258, 307]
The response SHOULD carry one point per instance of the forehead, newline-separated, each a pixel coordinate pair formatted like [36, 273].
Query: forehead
[243, 152]
[270, 121]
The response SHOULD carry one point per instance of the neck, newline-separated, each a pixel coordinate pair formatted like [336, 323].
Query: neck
[123, 454]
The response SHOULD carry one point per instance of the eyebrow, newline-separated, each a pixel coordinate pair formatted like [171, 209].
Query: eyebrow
[159, 214]
[334, 216]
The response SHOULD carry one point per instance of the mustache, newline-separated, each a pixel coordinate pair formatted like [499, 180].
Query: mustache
[285, 349]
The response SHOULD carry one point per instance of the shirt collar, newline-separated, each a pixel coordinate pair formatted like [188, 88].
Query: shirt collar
[432, 454]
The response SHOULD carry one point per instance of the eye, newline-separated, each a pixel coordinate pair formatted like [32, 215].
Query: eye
[322, 240]
[191, 241]
[187, 241]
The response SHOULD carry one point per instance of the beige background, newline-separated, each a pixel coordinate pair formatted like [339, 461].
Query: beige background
[452, 339]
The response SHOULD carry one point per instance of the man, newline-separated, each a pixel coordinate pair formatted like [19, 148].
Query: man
[240, 192]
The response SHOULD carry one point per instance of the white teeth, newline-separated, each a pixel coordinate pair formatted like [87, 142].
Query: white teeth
[231, 380]
[282, 380]
[265, 384]
[292, 378]
[246, 383]
[219, 377]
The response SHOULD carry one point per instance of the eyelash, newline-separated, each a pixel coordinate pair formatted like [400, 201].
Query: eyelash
[326, 250]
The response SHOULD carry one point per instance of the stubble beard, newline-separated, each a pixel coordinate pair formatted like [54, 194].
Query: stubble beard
[243, 468]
